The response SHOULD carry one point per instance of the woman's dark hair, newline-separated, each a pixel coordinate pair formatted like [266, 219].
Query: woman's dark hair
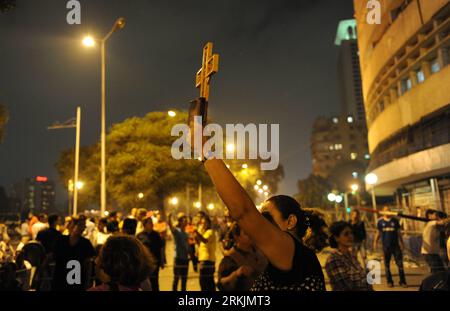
[129, 226]
[336, 229]
[311, 227]
[125, 260]
[230, 237]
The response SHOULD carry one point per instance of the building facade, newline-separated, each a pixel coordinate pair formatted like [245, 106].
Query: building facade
[337, 140]
[349, 73]
[406, 77]
[35, 195]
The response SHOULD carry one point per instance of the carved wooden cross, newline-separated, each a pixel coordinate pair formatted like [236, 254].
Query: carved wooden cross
[210, 65]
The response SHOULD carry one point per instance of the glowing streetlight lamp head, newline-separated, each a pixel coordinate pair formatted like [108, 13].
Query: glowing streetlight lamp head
[331, 197]
[260, 191]
[171, 113]
[197, 204]
[230, 147]
[80, 185]
[338, 199]
[210, 206]
[265, 187]
[371, 179]
[88, 41]
[244, 166]
[354, 187]
[174, 201]
[259, 182]
[120, 23]
[256, 187]
[141, 195]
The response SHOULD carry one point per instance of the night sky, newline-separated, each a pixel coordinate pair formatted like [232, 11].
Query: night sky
[278, 65]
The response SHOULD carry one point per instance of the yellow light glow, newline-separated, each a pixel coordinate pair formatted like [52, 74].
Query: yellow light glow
[230, 147]
[259, 182]
[88, 41]
[210, 206]
[171, 113]
[141, 195]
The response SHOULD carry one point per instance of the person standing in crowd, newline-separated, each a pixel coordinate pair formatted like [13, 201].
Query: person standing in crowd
[101, 234]
[160, 226]
[129, 226]
[359, 235]
[7, 253]
[140, 215]
[392, 242]
[431, 246]
[288, 236]
[439, 281]
[242, 264]
[69, 248]
[90, 231]
[343, 268]
[123, 264]
[181, 255]
[49, 237]
[190, 230]
[41, 224]
[206, 240]
[32, 219]
[152, 240]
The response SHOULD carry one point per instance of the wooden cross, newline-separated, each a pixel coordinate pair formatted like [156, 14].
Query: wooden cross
[210, 65]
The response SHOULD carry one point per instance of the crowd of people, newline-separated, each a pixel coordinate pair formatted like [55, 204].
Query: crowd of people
[272, 248]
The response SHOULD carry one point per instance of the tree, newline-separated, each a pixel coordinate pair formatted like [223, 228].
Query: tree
[313, 191]
[138, 161]
[3, 120]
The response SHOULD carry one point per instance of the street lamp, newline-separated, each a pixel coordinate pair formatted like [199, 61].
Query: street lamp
[140, 196]
[210, 206]
[371, 179]
[171, 113]
[174, 201]
[80, 185]
[197, 204]
[90, 42]
[354, 187]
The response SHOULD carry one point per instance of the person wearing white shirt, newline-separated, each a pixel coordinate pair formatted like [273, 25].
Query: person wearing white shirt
[40, 225]
[431, 247]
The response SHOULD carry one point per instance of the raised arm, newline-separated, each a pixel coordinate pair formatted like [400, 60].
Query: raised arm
[276, 245]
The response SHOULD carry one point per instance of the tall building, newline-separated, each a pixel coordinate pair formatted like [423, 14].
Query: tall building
[349, 73]
[337, 140]
[34, 194]
[406, 78]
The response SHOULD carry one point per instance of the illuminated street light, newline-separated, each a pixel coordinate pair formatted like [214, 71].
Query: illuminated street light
[210, 206]
[141, 195]
[259, 182]
[265, 187]
[354, 187]
[260, 191]
[371, 179]
[256, 187]
[244, 166]
[174, 201]
[88, 41]
[80, 185]
[331, 197]
[338, 199]
[171, 113]
[197, 204]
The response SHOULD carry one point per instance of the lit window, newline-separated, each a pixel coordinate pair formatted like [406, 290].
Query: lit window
[420, 76]
[435, 66]
[335, 120]
[350, 119]
[338, 146]
[406, 85]
[353, 155]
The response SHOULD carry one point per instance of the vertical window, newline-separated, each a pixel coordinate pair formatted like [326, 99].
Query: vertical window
[406, 85]
[420, 76]
[435, 66]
